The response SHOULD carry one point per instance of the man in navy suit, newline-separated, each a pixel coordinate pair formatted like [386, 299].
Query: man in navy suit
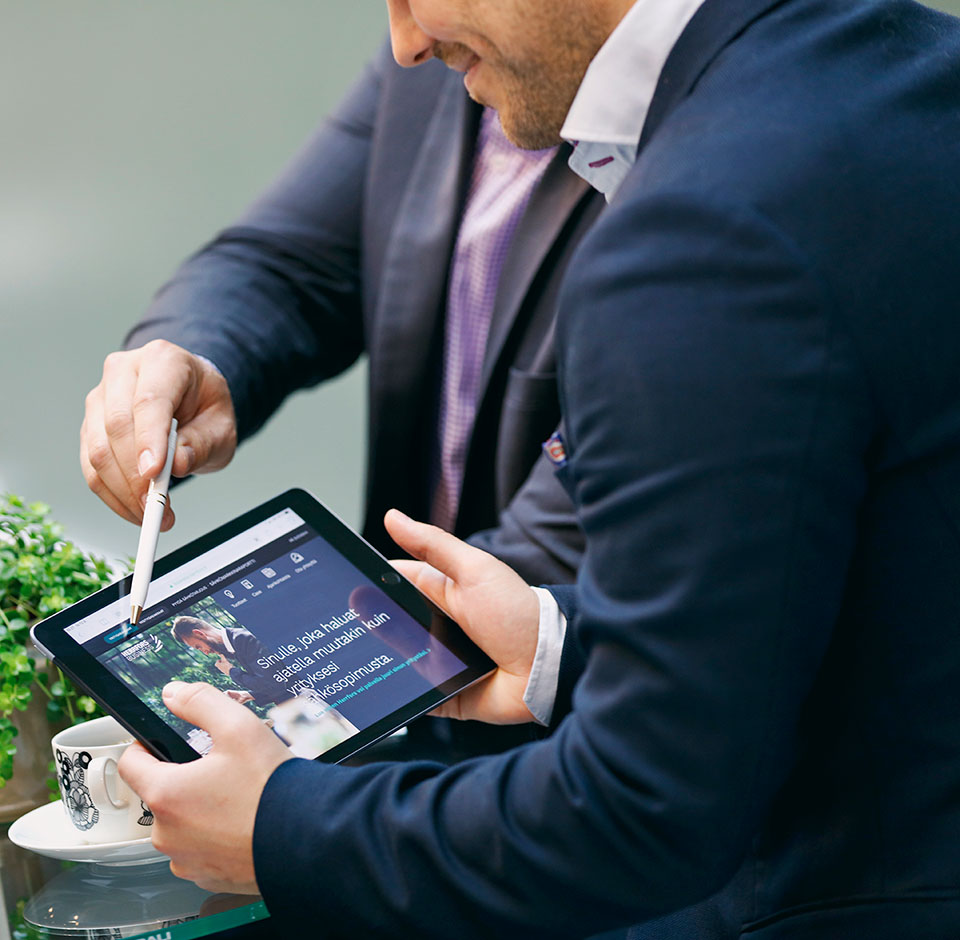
[756, 729]
[406, 216]
[355, 249]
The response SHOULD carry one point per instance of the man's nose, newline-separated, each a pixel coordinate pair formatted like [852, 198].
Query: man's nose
[411, 45]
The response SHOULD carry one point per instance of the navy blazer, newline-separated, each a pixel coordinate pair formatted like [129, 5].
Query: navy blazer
[346, 253]
[760, 376]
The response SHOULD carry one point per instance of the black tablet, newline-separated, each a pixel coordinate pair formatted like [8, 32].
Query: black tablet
[288, 611]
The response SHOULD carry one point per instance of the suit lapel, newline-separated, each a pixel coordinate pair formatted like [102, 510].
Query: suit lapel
[713, 26]
[549, 208]
[417, 260]
[410, 302]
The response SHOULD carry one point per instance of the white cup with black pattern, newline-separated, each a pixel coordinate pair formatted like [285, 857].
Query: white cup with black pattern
[99, 804]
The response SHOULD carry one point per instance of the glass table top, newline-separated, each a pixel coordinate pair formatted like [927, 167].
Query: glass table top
[55, 898]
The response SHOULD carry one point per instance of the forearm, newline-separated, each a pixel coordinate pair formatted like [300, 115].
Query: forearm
[274, 300]
[519, 845]
[251, 319]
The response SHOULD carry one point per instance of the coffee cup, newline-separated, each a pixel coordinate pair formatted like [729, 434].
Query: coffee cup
[98, 803]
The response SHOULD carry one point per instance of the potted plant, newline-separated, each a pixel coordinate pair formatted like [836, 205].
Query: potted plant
[40, 573]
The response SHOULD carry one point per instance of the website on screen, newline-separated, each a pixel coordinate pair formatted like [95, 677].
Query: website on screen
[283, 624]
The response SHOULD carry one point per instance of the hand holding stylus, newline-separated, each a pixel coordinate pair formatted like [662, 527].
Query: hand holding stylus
[124, 434]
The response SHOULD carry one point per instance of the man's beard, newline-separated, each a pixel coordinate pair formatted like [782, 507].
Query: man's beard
[536, 95]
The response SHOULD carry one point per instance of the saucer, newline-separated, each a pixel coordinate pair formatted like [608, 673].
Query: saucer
[47, 831]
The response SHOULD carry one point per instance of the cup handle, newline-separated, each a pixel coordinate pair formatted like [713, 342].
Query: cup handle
[96, 777]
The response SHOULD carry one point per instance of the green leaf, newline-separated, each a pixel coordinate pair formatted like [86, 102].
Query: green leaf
[41, 572]
[86, 704]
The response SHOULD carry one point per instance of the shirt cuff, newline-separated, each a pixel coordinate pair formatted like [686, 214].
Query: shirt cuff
[541, 691]
[210, 363]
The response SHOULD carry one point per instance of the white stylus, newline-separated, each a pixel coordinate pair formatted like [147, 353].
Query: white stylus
[150, 530]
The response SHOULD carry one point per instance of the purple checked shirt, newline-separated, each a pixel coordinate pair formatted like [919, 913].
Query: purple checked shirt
[503, 180]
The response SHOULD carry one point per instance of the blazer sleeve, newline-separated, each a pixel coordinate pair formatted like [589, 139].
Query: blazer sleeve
[274, 300]
[717, 466]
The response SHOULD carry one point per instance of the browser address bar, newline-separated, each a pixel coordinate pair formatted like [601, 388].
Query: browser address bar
[197, 568]
[221, 556]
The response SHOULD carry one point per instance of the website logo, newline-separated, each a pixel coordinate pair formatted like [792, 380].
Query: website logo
[121, 633]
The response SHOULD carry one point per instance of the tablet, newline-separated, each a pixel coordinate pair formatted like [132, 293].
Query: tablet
[290, 613]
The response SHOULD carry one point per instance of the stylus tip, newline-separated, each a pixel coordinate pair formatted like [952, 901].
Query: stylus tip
[135, 612]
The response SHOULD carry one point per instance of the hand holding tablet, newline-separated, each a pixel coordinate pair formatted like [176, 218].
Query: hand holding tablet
[496, 608]
[208, 834]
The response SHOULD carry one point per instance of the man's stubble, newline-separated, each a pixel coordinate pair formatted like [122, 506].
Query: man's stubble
[536, 91]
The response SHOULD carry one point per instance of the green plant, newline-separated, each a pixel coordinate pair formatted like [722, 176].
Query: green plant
[40, 573]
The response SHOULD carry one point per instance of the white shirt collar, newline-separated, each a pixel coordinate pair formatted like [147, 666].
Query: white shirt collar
[607, 115]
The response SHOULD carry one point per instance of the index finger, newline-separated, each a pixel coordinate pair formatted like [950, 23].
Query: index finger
[118, 389]
[163, 380]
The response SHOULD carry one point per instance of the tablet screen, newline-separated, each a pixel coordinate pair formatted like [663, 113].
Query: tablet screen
[283, 620]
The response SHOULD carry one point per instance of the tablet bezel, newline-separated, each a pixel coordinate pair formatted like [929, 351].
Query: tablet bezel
[117, 699]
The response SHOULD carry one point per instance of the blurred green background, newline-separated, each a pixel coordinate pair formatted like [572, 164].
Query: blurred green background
[130, 132]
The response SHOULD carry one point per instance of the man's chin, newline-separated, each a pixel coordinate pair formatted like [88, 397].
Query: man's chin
[474, 84]
[527, 135]
[476, 97]
[523, 127]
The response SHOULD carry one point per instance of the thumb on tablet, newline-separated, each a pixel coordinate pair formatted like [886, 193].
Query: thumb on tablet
[438, 548]
[208, 708]
[497, 609]
[425, 578]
